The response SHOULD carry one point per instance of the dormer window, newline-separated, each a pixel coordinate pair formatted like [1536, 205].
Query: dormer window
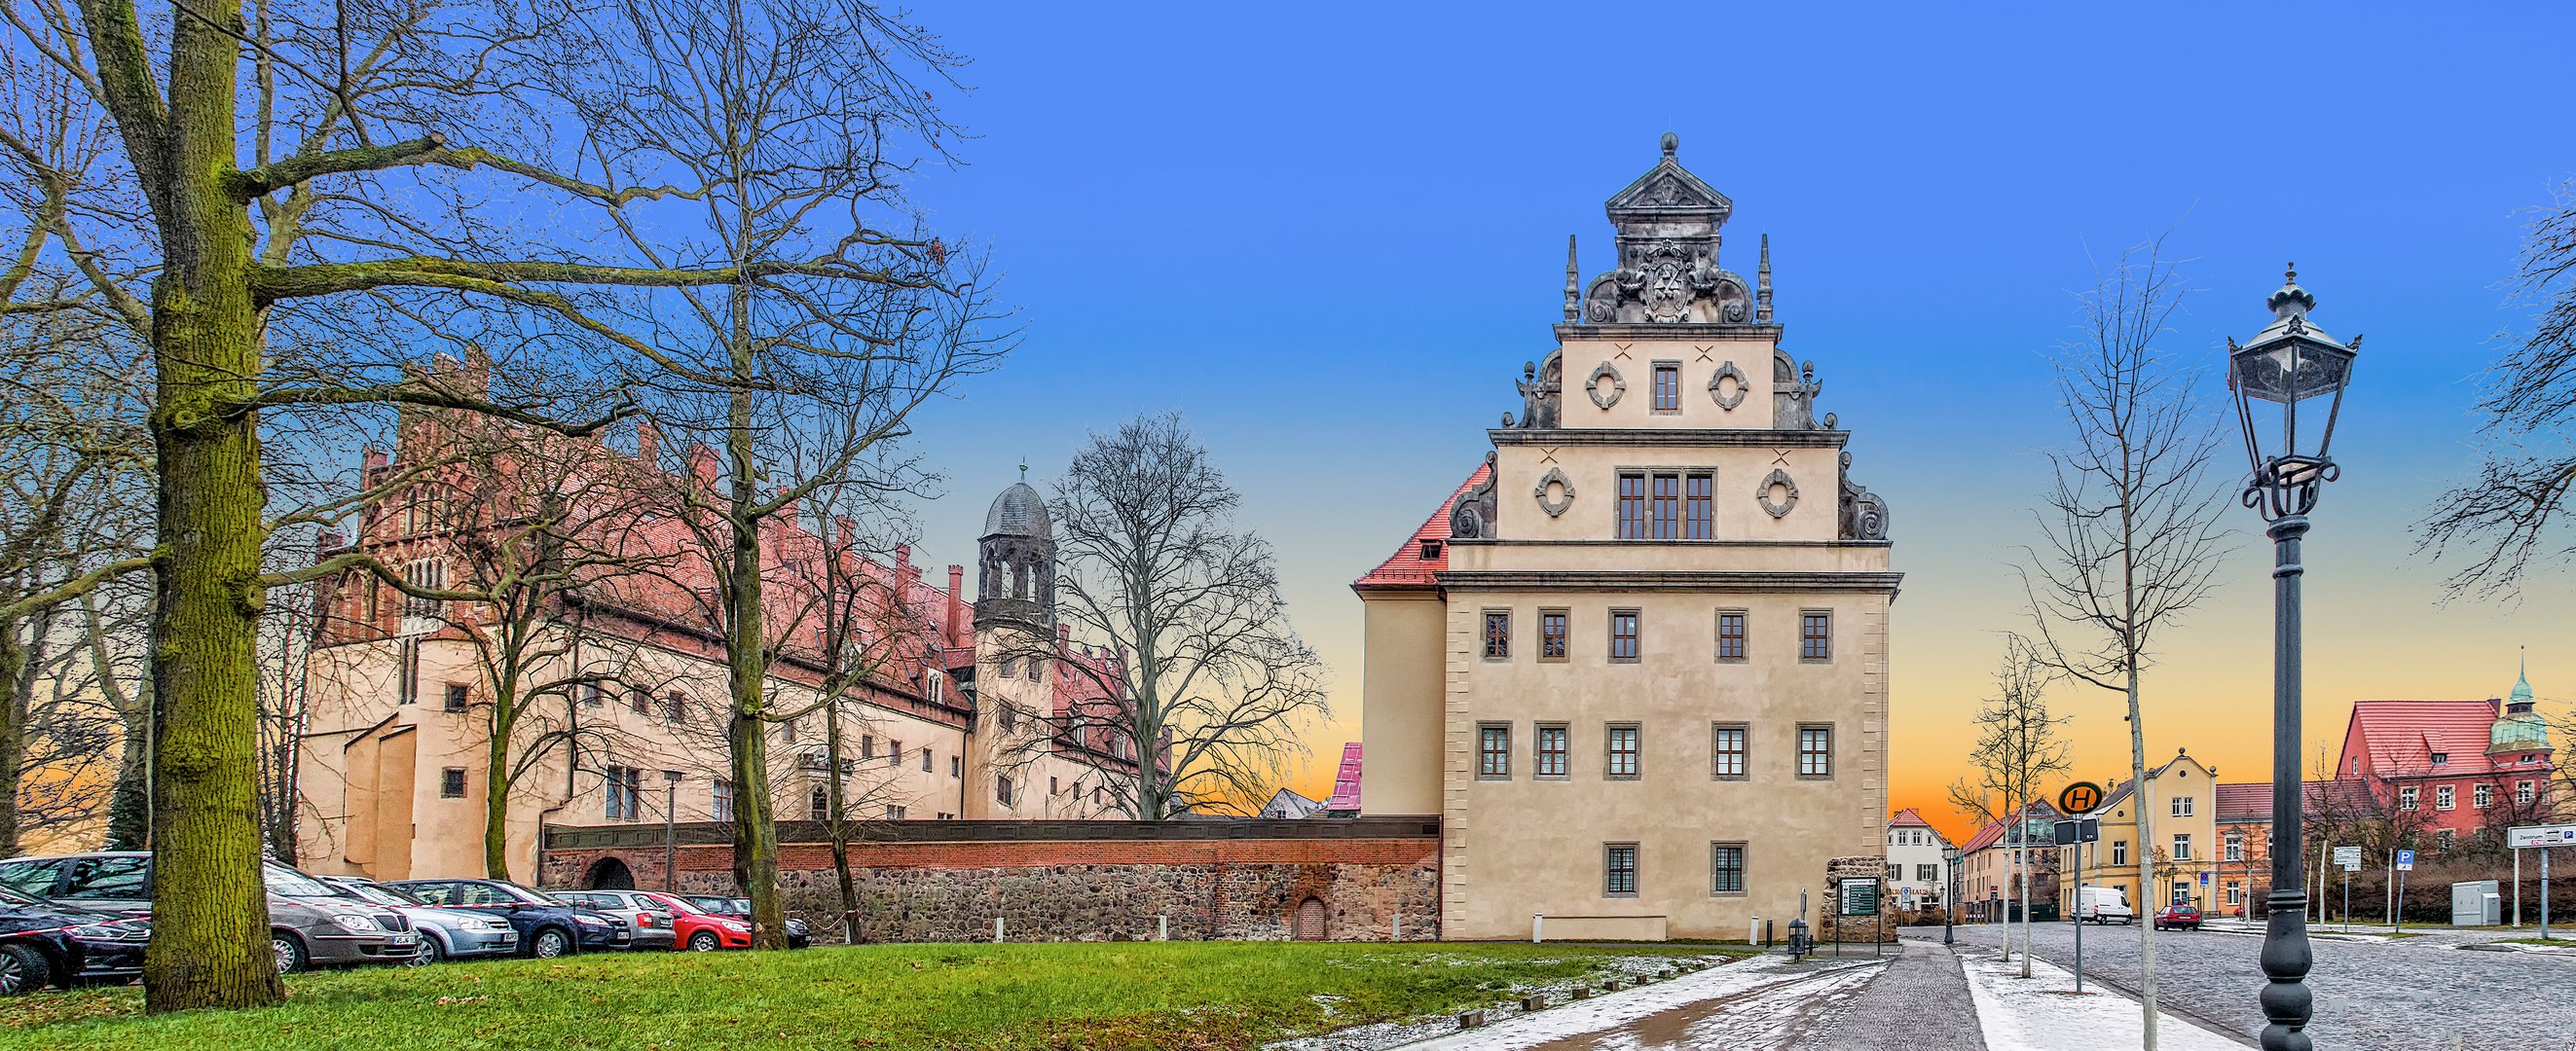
[1430, 549]
[2441, 758]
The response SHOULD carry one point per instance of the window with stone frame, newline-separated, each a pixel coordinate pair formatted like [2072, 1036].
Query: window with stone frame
[925, 760]
[720, 800]
[896, 813]
[1551, 634]
[818, 803]
[1622, 742]
[1816, 636]
[451, 783]
[2182, 846]
[2234, 845]
[1699, 506]
[2443, 838]
[641, 701]
[1667, 388]
[2119, 852]
[1002, 790]
[1494, 751]
[458, 697]
[1728, 743]
[1815, 750]
[2408, 797]
[1619, 870]
[1632, 505]
[1726, 868]
[1623, 636]
[1554, 756]
[894, 752]
[1667, 507]
[625, 786]
[2482, 797]
[2522, 793]
[2182, 806]
[2444, 797]
[1498, 634]
[1730, 635]
[2235, 893]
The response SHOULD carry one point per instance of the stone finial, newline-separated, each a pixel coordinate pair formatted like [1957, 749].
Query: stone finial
[1672, 144]
[1573, 279]
[1762, 285]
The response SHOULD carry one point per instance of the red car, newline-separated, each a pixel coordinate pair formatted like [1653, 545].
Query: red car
[2184, 917]
[698, 930]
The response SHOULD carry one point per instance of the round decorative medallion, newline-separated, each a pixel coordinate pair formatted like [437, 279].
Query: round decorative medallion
[1728, 386]
[1778, 494]
[1555, 506]
[1618, 386]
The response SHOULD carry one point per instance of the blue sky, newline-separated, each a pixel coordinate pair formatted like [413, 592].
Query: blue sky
[1331, 234]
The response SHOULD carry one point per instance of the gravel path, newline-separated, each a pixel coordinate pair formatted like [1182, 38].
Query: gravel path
[1920, 1003]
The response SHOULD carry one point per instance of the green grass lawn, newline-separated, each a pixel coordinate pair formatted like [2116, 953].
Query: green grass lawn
[2555, 943]
[1057, 997]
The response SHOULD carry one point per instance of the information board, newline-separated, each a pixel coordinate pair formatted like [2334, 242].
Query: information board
[1860, 896]
[2528, 836]
[2348, 858]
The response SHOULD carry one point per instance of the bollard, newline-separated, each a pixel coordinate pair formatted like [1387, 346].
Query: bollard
[1470, 1019]
[1534, 1002]
[1612, 985]
[1753, 932]
[1581, 992]
[1538, 924]
[1162, 928]
[997, 928]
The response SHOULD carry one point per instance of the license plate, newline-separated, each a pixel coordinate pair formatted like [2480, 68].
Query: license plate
[404, 939]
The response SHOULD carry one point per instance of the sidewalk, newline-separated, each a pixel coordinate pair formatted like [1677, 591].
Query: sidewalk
[2042, 1013]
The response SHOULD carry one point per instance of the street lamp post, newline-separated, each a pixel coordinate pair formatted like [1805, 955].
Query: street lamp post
[1949, 893]
[2289, 363]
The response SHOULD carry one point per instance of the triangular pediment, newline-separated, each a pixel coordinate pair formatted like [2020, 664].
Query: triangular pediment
[1668, 185]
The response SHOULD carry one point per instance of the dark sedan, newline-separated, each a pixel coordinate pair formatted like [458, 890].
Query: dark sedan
[310, 924]
[44, 944]
[547, 928]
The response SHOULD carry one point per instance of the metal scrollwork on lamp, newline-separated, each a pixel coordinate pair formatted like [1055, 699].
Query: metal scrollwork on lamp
[2289, 365]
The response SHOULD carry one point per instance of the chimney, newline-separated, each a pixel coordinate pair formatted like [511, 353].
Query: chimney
[957, 634]
[904, 570]
[648, 440]
[703, 465]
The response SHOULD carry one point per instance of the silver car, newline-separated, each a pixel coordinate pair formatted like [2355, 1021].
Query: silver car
[647, 919]
[445, 934]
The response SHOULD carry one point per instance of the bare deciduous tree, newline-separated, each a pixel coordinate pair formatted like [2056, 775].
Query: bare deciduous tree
[1211, 689]
[797, 120]
[2507, 517]
[2130, 535]
[2018, 749]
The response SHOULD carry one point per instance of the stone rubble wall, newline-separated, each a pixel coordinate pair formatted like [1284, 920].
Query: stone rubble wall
[1832, 927]
[1246, 889]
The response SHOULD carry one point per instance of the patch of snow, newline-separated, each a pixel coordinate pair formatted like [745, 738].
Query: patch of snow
[2043, 1013]
[1760, 1002]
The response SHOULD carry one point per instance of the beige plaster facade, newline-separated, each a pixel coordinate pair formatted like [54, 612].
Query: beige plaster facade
[1668, 474]
[395, 757]
[2177, 851]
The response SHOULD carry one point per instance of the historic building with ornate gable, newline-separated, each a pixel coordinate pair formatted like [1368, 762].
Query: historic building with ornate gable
[1638, 663]
[621, 666]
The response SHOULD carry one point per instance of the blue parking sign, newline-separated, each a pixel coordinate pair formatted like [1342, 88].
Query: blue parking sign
[2204, 879]
[2405, 861]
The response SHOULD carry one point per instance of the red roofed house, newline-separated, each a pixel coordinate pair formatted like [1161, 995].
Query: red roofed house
[621, 664]
[2464, 766]
[2244, 816]
[1995, 864]
[1918, 872]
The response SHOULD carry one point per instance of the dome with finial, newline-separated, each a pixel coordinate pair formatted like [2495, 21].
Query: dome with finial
[1019, 511]
[2519, 727]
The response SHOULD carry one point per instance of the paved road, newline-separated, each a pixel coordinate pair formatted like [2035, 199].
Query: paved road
[2369, 995]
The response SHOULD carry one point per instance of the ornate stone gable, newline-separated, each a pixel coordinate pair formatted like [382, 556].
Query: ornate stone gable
[1666, 224]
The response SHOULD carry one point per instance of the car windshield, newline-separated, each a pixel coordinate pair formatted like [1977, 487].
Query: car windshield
[379, 895]
[293, 884]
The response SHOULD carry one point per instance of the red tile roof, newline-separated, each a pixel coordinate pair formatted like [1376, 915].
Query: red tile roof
[1908, 818]
[1346, 782]
[2241, 804]
[2401, 736]
[1994, 830]
[1410, 566]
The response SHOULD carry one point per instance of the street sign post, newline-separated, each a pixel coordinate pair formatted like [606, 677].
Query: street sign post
[2541, 838]
[2403, 864]
[2348, 859]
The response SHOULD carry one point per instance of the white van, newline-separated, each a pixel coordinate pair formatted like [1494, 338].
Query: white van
[2104, 905]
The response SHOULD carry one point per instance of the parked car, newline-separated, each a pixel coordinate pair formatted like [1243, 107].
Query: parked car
[698, 930]
[647, 920]
[44, 944]
[444, 933]
[547, 929]
[2104, 905]
[798, 934]
[309, 924]
[2178, 917]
